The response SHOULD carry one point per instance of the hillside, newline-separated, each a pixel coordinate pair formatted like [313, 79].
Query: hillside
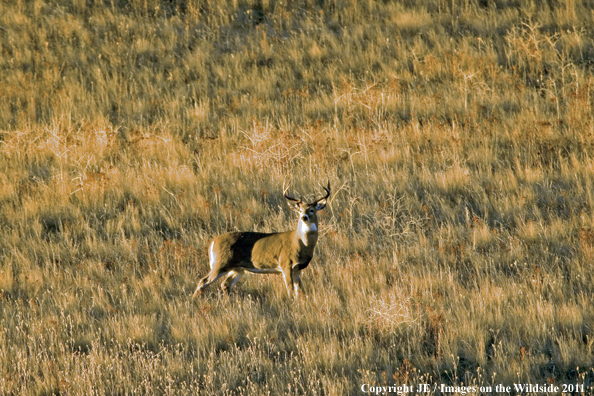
[456, 248]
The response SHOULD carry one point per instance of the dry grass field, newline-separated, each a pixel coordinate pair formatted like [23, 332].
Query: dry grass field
[457, 247]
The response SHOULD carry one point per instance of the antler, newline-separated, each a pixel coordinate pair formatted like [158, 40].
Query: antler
[327, 193]
[290, 198]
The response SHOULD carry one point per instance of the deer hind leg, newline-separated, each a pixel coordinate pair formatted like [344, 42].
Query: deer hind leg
[232, 278]
[214, 273]
[212, 277]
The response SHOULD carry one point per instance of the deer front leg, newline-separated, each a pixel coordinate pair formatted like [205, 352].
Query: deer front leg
[296, 279]
[292, 278]
[288, 278]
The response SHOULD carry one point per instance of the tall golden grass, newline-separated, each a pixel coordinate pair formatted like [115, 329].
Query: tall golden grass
[457, 246]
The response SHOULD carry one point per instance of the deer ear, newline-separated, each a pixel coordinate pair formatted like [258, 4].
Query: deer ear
[295, 205]
[321, 205]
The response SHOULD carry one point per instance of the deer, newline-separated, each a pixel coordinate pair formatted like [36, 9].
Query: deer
[285, 253]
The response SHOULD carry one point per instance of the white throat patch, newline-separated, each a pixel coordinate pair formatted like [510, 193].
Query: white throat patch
[304, 227]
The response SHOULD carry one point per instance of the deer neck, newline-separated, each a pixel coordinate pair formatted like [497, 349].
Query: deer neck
[307, 232]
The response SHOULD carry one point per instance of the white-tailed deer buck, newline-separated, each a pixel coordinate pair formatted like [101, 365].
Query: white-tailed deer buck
[285, 253]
